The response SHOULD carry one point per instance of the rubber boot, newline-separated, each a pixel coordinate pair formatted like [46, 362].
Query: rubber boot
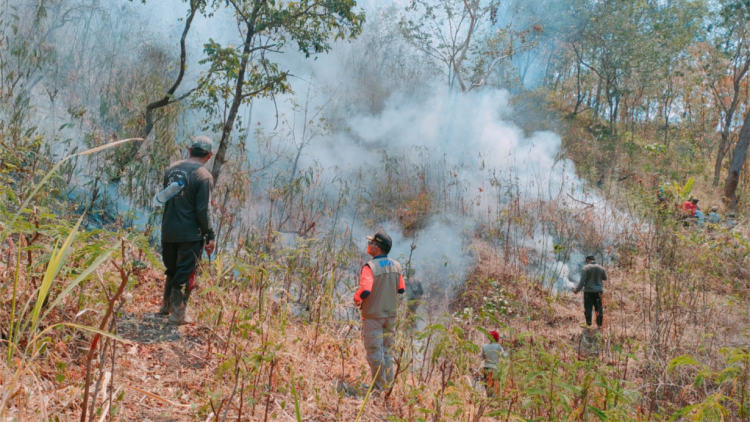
[179, 302]
[166, 307]
[185, 299]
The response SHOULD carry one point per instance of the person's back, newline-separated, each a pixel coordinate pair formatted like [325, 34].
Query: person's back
[185, 216]
[590, 282]
[414, 289]
[414, 293]
[688, 208]
[700, 218]
[491, 354]
[714, 218]
[592, 275]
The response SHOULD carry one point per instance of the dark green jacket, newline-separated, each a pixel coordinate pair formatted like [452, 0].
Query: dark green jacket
[592, 276]
[186, 216]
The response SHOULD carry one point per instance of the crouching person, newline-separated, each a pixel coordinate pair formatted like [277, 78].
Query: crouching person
[380, 281]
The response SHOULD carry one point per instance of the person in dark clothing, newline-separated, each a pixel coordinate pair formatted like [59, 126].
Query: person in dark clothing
[592, 276]
[186, 228]
[414, 294]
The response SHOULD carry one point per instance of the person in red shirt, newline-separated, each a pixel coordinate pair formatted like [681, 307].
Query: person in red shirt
[689, 207]
[379, 283]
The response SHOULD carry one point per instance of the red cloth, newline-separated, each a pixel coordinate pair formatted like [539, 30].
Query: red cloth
[689, 208]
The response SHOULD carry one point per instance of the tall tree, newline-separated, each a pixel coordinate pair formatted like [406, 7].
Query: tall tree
[465, 36]
[169, 97]
[730, 68]
[738, 162]
[240, 73]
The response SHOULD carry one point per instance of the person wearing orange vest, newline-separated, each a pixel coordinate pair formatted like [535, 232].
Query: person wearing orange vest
[379, 282]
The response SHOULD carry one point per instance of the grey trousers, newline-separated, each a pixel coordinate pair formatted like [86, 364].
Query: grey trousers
[379, 337]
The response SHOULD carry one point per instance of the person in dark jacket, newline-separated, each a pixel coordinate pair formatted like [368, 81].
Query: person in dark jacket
[414, 294]
[592, 276]
[186, 228]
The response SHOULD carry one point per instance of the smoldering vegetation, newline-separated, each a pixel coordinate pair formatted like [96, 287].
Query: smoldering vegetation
[498, 143]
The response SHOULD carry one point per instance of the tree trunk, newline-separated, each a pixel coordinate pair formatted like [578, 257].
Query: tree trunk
[221, 153]
[168, 97]
[720, 154]
[738, 162]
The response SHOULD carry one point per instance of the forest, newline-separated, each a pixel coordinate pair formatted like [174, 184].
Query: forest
[499, 143]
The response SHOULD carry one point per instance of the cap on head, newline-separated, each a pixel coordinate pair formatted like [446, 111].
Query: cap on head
[495, 335]
[590, 258]
[694, 200]
[714, 208]
[383, 241]
[202, 144]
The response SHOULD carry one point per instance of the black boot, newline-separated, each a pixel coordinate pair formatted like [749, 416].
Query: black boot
[166, 307]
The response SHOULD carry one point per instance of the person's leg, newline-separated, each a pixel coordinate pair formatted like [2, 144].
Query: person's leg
[372, 336]
[169, 257]
[588, 303]
[389, 341]
[183, 283]
[188, 256]
[599, 309]
[489, 381]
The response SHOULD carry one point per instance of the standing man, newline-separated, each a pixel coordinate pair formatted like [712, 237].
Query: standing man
[414, 293]
[491, 353]
[592, 276]
[379, 282]
[186, 228]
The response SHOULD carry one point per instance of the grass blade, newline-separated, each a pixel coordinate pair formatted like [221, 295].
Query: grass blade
[294, 394]
[53, 268]
[13, 308]
[367, 396]
[81, 327]
[94, 265]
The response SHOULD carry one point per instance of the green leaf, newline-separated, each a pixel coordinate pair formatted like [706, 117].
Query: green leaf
[684, 360]
[599, 413]
[53, 268]
[94, 265]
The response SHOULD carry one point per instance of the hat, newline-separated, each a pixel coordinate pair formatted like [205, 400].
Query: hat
[495, 335]
[382, 239]
[202, 143]
[694, 200]
[591, 258]
[714, 208]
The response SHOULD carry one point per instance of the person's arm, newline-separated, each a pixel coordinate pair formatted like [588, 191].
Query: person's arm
[401, 285]
[604, 274]
[365, 285]
[582, 280]
[202, 205]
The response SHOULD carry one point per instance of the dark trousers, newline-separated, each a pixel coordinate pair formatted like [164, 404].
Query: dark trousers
[593, 300]
[180, 258]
